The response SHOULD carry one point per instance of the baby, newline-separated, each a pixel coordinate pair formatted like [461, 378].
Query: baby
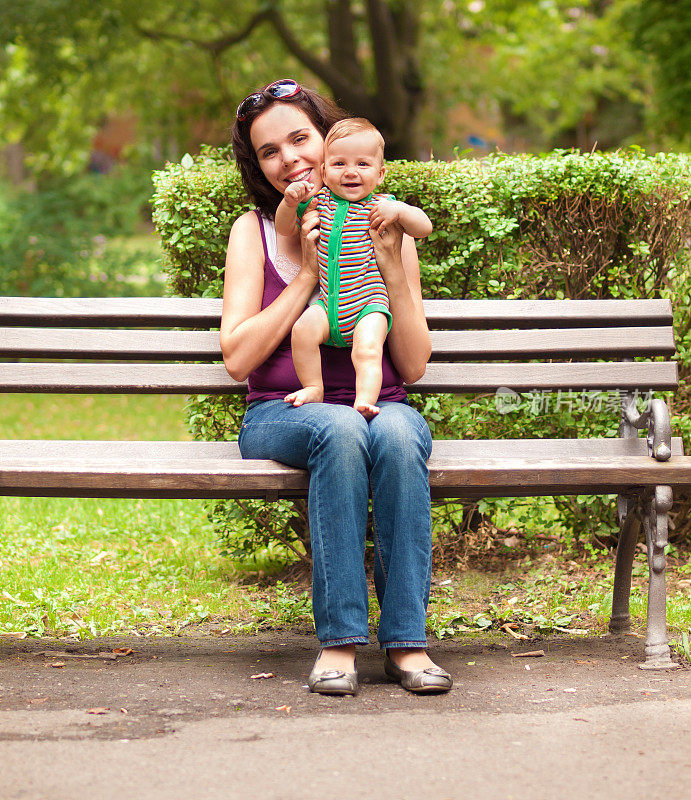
[353, 305]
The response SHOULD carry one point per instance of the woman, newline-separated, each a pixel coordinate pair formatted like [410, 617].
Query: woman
[278, 138]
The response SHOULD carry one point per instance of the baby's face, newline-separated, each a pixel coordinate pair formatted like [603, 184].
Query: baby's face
[353, 166]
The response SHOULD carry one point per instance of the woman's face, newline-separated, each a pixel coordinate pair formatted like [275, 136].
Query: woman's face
[288, 146]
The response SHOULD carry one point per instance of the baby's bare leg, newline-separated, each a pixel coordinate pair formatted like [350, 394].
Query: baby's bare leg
[311, 330]
[368, 341]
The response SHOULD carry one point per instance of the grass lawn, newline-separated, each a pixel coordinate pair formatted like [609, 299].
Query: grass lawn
[93, 567]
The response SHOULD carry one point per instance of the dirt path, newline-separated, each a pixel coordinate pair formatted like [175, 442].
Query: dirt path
[184, 718]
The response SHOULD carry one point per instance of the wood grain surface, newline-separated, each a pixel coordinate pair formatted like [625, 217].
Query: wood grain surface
[575, 343]
[138, 378]
[200, 313]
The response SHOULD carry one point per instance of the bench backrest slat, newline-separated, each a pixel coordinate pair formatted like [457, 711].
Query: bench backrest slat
[440, 377]
[480, 334]
[204, 345]
[452, 314]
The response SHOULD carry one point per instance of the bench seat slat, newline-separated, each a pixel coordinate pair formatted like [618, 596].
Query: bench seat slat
[116, 378]
[16, 450]
[206, 312]
[71, 343]
[107, 475]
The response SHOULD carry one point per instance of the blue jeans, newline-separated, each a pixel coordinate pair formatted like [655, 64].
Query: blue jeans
[345, 456]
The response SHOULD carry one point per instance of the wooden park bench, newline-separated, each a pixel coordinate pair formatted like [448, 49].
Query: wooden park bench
[122, 346]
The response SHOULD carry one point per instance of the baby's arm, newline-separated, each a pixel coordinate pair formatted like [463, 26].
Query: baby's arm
[413, 220]
[286, 214]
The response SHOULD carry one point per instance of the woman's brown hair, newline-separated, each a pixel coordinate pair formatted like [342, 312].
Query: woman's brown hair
[322, 113]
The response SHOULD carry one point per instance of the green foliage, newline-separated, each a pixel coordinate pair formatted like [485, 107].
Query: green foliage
[286, 609]
[662, 28]
[575, 76]
[563, 225]
[62, 238]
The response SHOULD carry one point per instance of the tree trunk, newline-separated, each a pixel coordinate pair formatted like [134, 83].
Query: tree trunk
[395, 94]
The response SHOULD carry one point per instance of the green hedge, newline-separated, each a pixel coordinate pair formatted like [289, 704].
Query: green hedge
[561, 225]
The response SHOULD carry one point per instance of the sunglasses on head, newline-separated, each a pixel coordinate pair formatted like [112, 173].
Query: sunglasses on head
[279, 90]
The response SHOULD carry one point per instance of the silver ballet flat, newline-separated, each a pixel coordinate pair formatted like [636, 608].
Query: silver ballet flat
[433, 680]
[332, 681]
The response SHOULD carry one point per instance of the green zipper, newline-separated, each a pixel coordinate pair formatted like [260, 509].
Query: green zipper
[334, 272]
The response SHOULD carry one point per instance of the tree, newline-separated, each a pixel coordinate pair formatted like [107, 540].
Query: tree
[560, 73]
[663, 30]
[380, 81]
[365, 53]
[554, 68]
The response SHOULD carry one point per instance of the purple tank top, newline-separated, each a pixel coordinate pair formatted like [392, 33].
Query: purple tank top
[276, 377]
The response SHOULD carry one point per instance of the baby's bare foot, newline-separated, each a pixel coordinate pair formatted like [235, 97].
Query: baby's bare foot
[309, 394]
[367, 410]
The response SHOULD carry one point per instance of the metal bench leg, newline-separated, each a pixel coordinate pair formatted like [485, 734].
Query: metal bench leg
[629, 531]
[655, 507]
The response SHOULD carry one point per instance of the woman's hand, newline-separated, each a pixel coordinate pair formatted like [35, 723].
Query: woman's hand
[387, 240]
[408, 340]
[309, 236]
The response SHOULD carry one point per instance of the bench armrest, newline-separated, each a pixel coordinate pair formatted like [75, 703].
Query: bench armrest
[655, 419]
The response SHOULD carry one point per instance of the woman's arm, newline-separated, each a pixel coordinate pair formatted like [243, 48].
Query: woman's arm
[250, 334]
[409, 340]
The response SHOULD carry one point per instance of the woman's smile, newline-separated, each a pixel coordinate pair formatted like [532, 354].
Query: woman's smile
[288, 146]
[303, 175]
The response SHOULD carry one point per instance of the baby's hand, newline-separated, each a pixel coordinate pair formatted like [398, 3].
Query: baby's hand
[384, 214]
[297, 192]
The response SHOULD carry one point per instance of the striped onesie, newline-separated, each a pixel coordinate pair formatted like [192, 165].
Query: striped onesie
[350, 284]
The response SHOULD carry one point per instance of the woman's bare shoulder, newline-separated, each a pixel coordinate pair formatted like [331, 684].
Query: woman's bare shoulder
[245, 242]
[246, 224]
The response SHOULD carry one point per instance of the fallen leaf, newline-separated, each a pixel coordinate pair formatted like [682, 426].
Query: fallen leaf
[14, 635]
[57, 664]
[123, 651]
[588, 661]
[284, 708]
[529, 654]
[98, 710]
[37, 700]
[262, 675]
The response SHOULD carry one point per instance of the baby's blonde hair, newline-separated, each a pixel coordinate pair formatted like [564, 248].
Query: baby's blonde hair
[347, 127]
